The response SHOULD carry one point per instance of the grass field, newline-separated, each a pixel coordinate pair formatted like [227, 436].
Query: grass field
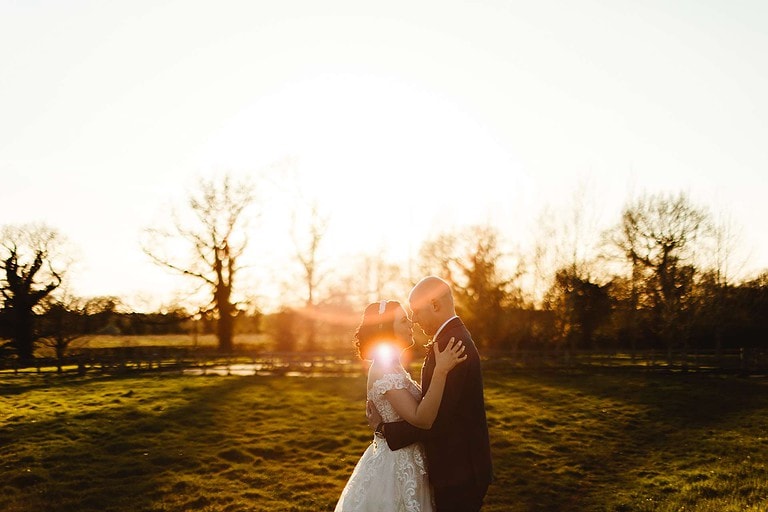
[560, 440]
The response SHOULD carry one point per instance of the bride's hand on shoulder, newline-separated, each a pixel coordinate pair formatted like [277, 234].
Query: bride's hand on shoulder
[447, 359]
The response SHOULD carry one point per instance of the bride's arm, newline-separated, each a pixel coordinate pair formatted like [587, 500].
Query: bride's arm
[422, 414]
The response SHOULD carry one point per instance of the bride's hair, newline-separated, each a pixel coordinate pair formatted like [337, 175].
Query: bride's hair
[378, 325]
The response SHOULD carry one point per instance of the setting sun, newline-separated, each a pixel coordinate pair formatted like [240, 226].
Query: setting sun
[367, 148]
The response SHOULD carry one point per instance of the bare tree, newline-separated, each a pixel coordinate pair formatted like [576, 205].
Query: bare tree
[567, 238]
[366, 278]
[307, 253]
[31, 272]
[658, 236]
[438, 255]
[718, 281]
[213, 240]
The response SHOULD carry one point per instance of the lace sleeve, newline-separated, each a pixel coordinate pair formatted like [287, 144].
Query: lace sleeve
[389, 381]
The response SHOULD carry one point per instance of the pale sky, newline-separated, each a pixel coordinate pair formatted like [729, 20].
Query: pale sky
[401, 118]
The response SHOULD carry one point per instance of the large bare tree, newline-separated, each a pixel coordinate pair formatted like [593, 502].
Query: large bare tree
[29, 260]
[207, 245]
[658, 236]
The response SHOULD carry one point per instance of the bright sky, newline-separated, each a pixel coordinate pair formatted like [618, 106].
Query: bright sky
[408, 116]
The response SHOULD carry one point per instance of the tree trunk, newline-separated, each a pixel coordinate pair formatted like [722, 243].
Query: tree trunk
[225, 328]
[23, 339]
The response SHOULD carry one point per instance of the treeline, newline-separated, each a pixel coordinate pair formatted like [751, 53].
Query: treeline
[583, 315]
[659, 278]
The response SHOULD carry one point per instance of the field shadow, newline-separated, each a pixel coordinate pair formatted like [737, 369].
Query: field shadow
[11, 385]
[675, 399]
[122, 455]
[574, 440]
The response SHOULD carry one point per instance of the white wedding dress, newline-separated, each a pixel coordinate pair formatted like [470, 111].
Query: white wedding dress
[384, 480]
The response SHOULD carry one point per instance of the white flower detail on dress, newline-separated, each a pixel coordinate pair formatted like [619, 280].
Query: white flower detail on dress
[384, 479]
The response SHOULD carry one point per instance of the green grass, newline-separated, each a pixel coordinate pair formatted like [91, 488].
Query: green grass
[561, 441]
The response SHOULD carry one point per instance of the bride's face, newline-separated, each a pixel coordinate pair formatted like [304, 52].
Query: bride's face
[403, 328]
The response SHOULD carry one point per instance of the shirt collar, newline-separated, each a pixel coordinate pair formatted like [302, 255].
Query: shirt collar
[441, 327]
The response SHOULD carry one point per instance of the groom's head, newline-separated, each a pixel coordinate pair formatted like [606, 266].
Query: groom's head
[431, 304]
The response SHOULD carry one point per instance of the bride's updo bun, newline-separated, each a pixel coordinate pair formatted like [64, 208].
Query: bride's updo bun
[377, 325]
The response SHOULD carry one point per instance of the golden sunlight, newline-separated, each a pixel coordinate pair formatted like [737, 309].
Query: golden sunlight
[361, 145]
[385, 353]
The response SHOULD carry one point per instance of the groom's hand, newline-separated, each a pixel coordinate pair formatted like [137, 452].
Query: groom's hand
[374, 418]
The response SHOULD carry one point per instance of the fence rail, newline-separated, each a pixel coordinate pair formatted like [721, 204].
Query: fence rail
[207, 361]
[746, 361]
[198, 361]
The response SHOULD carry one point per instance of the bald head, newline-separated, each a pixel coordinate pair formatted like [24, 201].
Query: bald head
[431, 303]
[428, 289]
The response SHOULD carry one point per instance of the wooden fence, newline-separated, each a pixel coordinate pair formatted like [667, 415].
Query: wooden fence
[196, 361]
[746, 361]
[206, 361]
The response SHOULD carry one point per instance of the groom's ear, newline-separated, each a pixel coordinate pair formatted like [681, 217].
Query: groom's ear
[435, 305]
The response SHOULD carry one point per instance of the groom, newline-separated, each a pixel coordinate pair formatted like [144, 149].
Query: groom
[457, 446]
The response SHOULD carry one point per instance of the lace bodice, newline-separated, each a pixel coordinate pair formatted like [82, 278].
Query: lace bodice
[398, 380]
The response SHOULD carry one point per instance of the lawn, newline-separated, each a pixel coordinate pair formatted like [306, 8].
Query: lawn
[598, 441]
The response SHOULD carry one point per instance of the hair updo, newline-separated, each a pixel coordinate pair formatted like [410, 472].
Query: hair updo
[375, 327]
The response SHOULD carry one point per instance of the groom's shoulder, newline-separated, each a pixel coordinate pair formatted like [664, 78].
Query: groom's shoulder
[456, 325]
[455, 329]
[460, 331]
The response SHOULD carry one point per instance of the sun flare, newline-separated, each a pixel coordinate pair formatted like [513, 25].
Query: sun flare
[384, 353]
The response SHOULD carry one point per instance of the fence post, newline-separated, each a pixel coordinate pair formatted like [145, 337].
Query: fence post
[744, 355]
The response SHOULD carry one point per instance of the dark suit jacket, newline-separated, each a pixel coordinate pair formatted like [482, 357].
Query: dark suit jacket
[457, 446]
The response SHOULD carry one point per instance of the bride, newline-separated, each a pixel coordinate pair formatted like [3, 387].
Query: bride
[384, 480]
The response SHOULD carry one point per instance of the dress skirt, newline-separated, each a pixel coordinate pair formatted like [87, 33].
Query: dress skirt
[388, 481]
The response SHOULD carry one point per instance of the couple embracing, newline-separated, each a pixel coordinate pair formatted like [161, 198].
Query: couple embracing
[431, 450]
